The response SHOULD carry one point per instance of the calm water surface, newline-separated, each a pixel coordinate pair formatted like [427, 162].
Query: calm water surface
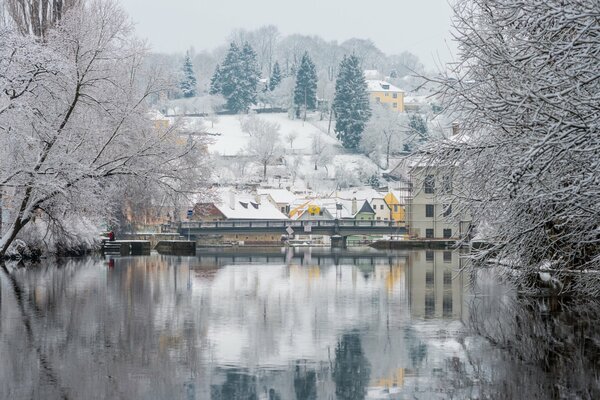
[284, 324]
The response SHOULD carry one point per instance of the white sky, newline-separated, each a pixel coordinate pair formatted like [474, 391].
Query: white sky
[419, 26]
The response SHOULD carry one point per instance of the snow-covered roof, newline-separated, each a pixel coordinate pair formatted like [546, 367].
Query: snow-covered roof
[283, 196]
[382, 86]
[246, 207]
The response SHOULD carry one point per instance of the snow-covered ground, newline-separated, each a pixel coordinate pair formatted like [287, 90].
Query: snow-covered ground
[341, 168]
[229, 138]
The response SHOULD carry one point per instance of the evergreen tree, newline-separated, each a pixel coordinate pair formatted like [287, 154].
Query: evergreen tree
[230, 76]
[305, 92]
[250, 77]
[188, 83]
[275, 79]
[351, 102]
[418, 126]
[215, 81]
[238, 77]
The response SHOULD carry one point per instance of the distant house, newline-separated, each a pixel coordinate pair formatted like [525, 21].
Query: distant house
[280, 198]
[429, 212]
[382, 210]
[396, 206]
[385, 93]
[365, 212]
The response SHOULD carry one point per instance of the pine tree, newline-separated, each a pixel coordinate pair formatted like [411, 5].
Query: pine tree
[238, 77]
[305, 92]
[275, 79]
[351, 102]
[250, 77]
[418, 126]
[230, 76]
[188, 83]
[215, 81]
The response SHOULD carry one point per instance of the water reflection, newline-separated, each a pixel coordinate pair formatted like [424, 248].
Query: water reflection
[257, 324]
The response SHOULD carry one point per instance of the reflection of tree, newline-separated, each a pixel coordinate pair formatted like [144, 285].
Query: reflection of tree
[305, 384]
[238, 385]
[544, 348]
[352, 370]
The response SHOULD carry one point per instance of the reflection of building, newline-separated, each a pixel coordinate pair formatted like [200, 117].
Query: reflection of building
[435, 285]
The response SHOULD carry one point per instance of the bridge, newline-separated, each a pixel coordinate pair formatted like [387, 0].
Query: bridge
[338, 229]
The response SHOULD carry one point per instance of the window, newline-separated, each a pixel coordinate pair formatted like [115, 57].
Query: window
[395, 95]
[378, 218]
[447, 305]
[447, 210]
[429, 304]
[395, 208]
[447, 233]
[429, 233]
[429, 184]
[381, 207]
[429, 254]
[377, 99]
[395, 105]
[447, 278]
[429, 279]
[447, 184]
[429, 210]
[387, 94]
[447, 256]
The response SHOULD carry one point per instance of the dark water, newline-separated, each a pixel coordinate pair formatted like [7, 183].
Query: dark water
[310, 324]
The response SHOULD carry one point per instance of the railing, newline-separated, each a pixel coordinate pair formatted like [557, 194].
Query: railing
[291, 223]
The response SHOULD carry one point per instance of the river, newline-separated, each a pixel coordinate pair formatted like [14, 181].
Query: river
[286, 324]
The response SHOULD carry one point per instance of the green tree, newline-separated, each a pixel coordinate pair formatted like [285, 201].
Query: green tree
[238, 77]
[351, 102]
[188, 83]
[305, 92]
[215, 81]
[275, 79]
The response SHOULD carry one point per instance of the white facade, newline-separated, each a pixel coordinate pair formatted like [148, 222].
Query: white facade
[430, 215]
[381, 208]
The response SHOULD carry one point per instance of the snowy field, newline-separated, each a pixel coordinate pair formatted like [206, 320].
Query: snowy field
[229, 138]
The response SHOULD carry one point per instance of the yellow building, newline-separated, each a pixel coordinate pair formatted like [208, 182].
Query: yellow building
[397, 208]
[385, 93]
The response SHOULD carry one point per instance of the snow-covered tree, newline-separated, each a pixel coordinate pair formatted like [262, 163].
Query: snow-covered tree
[37, 17]
[526, 157]
[385, 134]
[291, 138]
[351, 102]
[74, 125]
[239, 76]
[215, 81]
[264, 144]
[321, 151]
[188, 81]
[276, 77]
[305, 92]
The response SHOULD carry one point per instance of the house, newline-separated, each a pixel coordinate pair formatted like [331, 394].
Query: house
[396, 202]
[383, 212]
[385, 93]
[240, 207]
[430, 211]
[365, 212]
[280, 198]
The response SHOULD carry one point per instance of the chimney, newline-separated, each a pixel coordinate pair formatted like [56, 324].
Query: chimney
[354, 206]
[232, 200]
[455, 128]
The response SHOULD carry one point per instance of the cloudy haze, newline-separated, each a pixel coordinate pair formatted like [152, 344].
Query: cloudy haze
[421, 27]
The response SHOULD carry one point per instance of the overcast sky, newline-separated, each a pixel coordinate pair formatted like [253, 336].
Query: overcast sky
[419, 26]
